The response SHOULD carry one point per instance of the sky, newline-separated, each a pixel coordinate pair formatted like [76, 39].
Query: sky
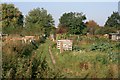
[59, 0]
[97, 11]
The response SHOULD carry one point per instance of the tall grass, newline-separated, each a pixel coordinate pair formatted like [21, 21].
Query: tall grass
[23, 61]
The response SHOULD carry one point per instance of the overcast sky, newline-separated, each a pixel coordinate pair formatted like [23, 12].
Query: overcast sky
[97, 11]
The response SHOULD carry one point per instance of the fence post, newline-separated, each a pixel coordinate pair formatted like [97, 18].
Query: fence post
[61, 47]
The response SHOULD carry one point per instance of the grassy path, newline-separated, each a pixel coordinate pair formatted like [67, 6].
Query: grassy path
[52, 58]
[45, 51]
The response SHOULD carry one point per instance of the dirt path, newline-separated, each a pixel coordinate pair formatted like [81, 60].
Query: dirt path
[52, 58]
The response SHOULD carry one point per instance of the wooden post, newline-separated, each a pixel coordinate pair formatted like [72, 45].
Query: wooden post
[61, 47]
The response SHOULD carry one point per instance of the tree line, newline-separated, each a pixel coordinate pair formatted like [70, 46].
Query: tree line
[39, 21]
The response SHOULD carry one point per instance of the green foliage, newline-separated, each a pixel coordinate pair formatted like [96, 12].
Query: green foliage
[22, 61]
[39, 21]
[113, 56]
[117, 46]
[105, 30]
[109, 49]
[101, 47]
[76, 48]
[12, 30]
[62, 36]
[113, 20]
[12, 18]
[31, 67]
[42, 40]
[54, 45]
[73, 21]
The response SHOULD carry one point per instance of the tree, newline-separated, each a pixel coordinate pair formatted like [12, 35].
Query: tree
[11, 19]
[73, 21]
[38, 21]
[91, 23]
[113, 20]
[91, 26]
[61, 29]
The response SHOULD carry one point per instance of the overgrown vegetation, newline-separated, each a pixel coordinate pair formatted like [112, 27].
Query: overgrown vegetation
[22, 61]
[93, 56]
